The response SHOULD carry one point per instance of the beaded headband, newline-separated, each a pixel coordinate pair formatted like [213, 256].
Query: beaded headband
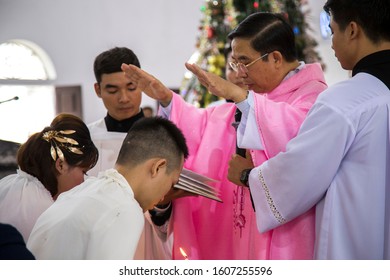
[57, 139]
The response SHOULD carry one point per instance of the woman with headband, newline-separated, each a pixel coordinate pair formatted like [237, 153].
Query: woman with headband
[50, 162]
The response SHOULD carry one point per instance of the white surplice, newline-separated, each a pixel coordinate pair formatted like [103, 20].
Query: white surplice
[23, 199]
[340, 161]
[108, 144]
[99, 219]
[150, 246]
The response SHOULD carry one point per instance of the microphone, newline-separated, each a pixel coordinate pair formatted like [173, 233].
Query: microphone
[13, 98]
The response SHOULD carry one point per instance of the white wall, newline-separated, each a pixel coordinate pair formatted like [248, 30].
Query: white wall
[333, 71]
[161, 32]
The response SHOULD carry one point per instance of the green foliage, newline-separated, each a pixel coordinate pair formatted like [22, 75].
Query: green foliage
[220, 17]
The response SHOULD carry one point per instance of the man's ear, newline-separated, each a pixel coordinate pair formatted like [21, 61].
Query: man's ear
[354, 30]
[159, 165]
[97, 90]
[276, 57]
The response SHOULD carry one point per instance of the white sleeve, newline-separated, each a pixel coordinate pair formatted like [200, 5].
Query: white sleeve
[248, 136]
[292, 182]
[116, 235]
[22, 202]
[165, 112]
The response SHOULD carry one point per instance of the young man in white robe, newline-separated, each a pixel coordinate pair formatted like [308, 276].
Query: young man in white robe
[340, 159]
[122, 99]
[103, 217]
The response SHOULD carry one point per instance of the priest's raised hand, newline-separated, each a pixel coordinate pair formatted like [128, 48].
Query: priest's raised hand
[217, 85]
[150, 85]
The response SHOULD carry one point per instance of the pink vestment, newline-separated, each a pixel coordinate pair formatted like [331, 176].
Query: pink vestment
[206, 229]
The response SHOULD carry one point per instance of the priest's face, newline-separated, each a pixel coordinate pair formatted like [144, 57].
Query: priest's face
[253, 67]
[121, 98]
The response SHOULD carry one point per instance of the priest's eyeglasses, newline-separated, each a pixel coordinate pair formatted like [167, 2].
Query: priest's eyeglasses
[244, 67]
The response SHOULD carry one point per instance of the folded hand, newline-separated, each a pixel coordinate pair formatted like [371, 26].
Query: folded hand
[236, 165]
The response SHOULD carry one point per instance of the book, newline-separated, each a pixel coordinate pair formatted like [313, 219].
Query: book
[198, 184]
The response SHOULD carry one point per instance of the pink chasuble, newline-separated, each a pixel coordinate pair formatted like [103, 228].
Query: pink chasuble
[292, 101]
[206, 229]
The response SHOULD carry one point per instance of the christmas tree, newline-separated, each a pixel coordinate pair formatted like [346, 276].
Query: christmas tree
[219, 18]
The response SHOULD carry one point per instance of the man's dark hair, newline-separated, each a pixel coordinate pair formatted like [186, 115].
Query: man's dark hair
[111, 60]
[153, 137]
[267, 32]
[372, 15]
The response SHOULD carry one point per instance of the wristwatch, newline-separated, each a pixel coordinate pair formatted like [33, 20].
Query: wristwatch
[245, 176]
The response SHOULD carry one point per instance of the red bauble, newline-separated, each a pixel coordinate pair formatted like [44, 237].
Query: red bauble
[210, 33]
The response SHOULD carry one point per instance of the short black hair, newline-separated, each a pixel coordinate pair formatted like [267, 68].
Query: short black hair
[110, 61]
[150, 138]
[372, 15]
[267, 32]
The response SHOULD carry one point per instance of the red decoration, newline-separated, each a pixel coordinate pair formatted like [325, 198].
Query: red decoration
[210, 33]
[256, 5]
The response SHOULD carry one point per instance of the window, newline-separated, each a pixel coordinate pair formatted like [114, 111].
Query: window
[27, 93]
